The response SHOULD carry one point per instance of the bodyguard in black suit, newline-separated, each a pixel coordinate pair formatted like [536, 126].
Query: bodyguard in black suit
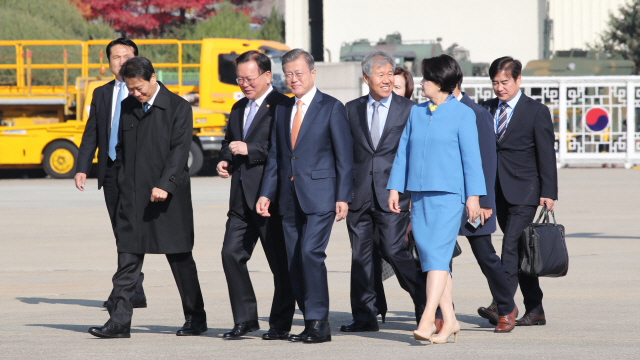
[97, 135]
[526, 175]
[155, 214]
[480, 237]
[243, 155]
[310, 171]
[377, 121]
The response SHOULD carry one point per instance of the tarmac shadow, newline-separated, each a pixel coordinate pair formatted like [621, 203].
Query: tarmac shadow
[475, 320]
[81, 302]
[135, 329]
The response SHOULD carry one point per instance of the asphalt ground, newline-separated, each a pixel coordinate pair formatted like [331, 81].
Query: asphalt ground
[57, 256]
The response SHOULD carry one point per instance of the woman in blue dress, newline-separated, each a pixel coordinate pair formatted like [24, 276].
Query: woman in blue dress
[438, 161]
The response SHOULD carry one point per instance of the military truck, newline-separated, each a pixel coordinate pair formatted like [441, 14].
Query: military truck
[577, 62]
[409, 54]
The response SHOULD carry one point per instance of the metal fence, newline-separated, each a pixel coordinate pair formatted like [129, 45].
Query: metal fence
[590, 114]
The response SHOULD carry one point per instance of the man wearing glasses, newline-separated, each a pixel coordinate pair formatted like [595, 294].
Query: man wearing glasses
[243, 155]
[310, 172]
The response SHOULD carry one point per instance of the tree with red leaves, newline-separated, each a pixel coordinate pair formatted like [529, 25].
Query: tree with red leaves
[145, 18]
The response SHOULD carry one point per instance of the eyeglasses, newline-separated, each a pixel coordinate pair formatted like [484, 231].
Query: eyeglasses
[248, 81]
[297, 75]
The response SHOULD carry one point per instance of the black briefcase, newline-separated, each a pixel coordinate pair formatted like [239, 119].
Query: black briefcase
[543, 250]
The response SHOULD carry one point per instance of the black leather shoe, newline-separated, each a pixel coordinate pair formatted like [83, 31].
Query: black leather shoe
[490, 313]
[241, 329]
[137, 301]
[419, 312]
[358, 326]
[303, 334]
[273, 334]
[192, 328]
[319, 332]
[111, 330]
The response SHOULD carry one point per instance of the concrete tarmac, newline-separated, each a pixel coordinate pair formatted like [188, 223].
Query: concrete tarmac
[57, 256]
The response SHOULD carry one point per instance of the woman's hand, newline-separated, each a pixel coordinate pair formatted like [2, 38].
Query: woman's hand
[394, 201]
[473, 208]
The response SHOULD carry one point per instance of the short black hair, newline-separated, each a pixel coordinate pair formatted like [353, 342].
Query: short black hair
[137, 67]
[509, 65]
[262, 60]
[442, 70]
[122, 41]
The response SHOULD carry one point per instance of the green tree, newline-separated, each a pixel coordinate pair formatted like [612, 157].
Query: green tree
[226, 23]
[622, 36]
[273, 27]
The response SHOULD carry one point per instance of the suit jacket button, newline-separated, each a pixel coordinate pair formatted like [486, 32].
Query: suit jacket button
[375, 155]
[293, 158]
[370, 172]
[131, 125]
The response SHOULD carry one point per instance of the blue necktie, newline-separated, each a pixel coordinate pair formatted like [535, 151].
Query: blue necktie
[113, 139]
[252, 113]
[146, 106]
[502, 120]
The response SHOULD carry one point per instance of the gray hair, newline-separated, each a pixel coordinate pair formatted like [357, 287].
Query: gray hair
[379, 58]
[294, 54]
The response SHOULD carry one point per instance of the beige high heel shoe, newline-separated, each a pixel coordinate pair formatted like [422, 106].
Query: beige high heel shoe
[419, 335]
[442, 338]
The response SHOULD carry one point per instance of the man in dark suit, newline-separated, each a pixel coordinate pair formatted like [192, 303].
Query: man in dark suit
[243, 155]
[480, 237]
[377, 121]
[155, 214]
[104, 115]
[526, 176]
[310, 171]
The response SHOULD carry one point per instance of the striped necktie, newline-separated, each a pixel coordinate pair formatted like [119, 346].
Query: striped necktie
[502, 121]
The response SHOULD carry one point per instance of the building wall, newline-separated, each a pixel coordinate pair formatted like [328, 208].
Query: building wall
[488, 29]
[578, 22]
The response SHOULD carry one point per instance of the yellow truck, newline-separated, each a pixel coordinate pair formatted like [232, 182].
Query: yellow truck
[42, 119]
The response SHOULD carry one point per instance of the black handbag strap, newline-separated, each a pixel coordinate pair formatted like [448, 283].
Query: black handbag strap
[545, 212]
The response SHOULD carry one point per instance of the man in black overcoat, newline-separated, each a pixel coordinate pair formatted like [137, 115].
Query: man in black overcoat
[104, 115]
[155, 215]
[243, 155]
[526, 176]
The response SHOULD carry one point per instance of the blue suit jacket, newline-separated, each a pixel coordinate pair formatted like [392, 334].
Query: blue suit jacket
[439, 151]
[321, 163]
[487, 140]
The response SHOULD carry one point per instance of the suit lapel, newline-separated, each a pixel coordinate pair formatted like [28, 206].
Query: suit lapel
[287, 122]
[392, 116]
[241, 109]
[311, 113]
[515, 116]
[107, 97]
[362, 114]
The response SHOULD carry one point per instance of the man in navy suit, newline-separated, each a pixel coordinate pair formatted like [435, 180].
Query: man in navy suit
[377, 121]
[310, 171]
[480, 237]
[526, 175]
[101, 133]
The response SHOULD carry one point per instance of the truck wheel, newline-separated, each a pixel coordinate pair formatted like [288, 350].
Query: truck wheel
[195, 159]
[59, 160]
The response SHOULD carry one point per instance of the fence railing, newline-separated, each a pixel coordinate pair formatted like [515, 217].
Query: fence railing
[595, 116]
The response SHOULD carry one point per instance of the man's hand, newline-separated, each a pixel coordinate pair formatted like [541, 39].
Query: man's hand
[80, 179]
[262, 206]
[158, 195]
[473, 208]
[222, 169]
[342, 208]
[485, 214]
[549, 203]
[238, 148]
[394, 201]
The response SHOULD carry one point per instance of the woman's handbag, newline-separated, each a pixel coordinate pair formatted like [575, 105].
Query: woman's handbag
[543, 250]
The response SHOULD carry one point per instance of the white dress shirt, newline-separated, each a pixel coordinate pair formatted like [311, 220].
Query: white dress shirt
[306, 100]
[383, 111]
[116, 90]
[258, 102]
[153, 98]
[509, 110]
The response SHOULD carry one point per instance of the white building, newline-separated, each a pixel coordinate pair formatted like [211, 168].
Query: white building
[488, 29]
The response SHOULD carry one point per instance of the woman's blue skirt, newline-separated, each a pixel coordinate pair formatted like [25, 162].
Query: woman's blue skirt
[435, 221]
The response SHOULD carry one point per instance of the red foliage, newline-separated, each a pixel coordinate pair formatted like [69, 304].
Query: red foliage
[141, 18]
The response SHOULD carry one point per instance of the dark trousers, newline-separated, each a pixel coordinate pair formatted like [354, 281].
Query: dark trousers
[392, 227]
[512, 220]
[493, 271]
[110, 191]
[378, 286]
[184, 272]
[244, 227]
[306, 238]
